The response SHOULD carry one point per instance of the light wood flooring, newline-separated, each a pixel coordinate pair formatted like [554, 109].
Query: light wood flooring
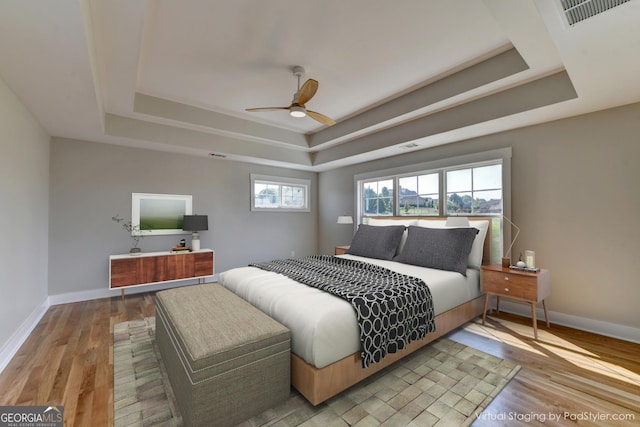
[575, 377]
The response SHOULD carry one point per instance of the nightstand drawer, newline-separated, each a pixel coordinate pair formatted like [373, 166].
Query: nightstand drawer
[511, 285]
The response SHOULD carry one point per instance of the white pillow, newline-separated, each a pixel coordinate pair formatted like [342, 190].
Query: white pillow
[385, 222]
[475, 256]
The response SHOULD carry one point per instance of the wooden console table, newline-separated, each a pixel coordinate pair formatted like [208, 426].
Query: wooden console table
[127, 270]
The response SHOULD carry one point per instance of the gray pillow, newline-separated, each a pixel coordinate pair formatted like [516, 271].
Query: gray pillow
[440, 248]
[376, 242]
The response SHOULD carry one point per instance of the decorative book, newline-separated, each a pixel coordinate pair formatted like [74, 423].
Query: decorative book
[529, 269]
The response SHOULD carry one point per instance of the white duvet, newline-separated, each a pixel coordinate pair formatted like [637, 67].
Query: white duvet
[324, 327]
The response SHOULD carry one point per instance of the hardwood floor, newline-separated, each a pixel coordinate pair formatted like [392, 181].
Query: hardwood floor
[581, 378]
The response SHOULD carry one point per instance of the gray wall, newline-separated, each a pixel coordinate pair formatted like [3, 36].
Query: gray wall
[574, 196]
[24, 215]
[91, 182]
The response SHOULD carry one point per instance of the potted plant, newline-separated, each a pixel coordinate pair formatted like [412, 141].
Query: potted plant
[127, 225]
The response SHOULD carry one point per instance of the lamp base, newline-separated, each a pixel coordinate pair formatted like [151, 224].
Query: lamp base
[195, 241]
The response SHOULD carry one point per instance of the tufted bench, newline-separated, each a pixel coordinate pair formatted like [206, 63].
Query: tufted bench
[226, 360]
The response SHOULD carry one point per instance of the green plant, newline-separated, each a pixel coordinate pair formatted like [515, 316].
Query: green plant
[127, 225]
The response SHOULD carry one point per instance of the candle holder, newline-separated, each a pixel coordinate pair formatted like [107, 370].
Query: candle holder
[530, 259]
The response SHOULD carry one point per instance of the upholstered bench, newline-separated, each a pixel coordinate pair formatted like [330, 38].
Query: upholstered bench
[226, 360]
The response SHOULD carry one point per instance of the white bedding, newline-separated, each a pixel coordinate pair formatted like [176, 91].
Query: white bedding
[324, 327]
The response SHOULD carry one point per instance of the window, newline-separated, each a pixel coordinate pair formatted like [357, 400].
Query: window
[475, 190]
[469, 190]
[273, 194]
[471, 184]
[419, 194]
[378, 197]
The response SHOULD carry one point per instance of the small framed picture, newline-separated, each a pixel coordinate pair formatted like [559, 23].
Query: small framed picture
[157, 214]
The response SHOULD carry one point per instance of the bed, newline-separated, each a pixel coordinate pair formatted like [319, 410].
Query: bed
[326, 346]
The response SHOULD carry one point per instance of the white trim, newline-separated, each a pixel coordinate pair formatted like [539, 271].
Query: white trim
[70, 297]
[20, 336]
[14, 343]
[600, 327]
[280, 181]
[466, 159]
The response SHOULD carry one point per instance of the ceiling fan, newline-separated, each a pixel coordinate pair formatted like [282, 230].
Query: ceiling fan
[300, 98]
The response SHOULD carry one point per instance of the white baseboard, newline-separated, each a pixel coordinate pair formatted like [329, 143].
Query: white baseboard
[70, 297]
[19, 337]
[14, 343]
[614, 330]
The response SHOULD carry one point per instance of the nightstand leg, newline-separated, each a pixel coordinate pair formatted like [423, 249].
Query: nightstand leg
[122, 292]
[497, 304]
[546, 315]
[535, 321]
[486, 303]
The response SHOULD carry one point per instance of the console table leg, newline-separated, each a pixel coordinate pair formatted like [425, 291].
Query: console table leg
[486, 303]
[535, 321]
[546, 314]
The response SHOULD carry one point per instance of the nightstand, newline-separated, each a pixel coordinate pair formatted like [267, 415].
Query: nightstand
[519, 285]
[340, 250]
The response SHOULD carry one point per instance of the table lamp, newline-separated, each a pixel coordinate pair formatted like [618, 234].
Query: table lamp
[195, 223]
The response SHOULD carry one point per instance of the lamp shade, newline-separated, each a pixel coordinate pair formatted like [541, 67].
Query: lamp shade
[345, 219]
[195, 223]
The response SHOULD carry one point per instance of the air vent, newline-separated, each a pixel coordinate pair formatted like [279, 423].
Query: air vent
[408, 146]
[579, 10]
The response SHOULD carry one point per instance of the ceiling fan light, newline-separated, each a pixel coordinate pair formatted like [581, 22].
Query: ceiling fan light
[297, 111]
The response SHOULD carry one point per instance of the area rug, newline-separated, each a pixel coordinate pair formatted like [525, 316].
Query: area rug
[444, 383]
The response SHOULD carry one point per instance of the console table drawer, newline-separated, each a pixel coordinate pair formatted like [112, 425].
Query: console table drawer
[159, 267]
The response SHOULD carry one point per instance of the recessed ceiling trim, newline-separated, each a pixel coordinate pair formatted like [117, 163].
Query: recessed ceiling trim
[490, 70]
[191, 139]
[538, 93]
[217, 122]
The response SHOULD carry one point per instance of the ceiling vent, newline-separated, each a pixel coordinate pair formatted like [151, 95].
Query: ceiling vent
[408, 146]
[579, 10]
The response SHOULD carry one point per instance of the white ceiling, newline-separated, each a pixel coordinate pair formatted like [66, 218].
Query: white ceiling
[177, 75]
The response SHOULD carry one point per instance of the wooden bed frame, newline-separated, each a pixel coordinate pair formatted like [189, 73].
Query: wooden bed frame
[320, 384]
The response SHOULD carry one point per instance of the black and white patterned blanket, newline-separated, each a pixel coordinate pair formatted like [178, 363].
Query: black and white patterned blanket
[392, 309]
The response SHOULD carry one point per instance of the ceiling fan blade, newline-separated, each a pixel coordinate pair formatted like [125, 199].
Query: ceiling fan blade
[321, 118]
[257, 110]
[307, 91]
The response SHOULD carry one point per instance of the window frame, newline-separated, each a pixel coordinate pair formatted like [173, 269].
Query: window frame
[501, 155]
[280, 182]
[472, 190]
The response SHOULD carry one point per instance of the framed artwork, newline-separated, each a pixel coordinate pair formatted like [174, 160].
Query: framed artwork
[157, 214]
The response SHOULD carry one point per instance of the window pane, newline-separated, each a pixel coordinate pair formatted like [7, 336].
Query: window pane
[378, 197]
[487, 177]
[459, 202]
[292, 196]
[267, 195]
[419, 195]
[459, 180]
[428, 184]
[487, 202]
